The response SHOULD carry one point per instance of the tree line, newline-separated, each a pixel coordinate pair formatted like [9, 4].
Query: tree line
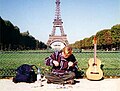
[107, 39]
[12, 39]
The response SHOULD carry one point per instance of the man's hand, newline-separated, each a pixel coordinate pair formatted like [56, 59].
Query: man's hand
[55, 63]
[70, 63]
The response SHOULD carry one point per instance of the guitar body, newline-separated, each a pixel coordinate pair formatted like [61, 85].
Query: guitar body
[94, 71]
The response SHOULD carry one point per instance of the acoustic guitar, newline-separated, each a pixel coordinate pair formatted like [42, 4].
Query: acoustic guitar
[94, 71]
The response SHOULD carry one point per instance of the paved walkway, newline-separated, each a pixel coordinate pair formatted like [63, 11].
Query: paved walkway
[81, 85]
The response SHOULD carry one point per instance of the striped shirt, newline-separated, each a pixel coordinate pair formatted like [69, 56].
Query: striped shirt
[63, 63]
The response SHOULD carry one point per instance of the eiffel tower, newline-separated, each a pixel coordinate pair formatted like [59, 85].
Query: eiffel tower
[57, 23]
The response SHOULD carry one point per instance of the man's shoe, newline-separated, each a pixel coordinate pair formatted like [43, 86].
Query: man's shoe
[70, 82]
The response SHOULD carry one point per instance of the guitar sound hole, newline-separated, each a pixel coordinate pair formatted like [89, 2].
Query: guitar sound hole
[94, 64]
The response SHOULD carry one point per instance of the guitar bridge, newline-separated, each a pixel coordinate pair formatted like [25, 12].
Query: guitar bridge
[94, 72]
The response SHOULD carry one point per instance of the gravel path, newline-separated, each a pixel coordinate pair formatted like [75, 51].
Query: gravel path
[81, 85]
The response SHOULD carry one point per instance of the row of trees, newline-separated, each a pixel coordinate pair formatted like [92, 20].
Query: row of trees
[107, 39]
[12, 39]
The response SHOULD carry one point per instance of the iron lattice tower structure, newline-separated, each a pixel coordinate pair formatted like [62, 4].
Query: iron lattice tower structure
[57, 23]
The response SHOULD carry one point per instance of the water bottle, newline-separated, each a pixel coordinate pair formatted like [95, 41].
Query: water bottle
[39, 82]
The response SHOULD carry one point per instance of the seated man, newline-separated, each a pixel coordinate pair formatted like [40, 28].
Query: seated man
[64, 66]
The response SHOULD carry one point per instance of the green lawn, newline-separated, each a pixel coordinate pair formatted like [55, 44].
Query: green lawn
[12, 60]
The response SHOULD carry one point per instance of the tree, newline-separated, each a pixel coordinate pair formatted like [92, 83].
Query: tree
[12, 39]
[106, 39]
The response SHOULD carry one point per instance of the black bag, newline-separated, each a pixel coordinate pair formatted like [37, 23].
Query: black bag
[25, 73]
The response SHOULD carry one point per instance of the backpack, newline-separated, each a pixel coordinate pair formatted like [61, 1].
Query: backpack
[25, 73]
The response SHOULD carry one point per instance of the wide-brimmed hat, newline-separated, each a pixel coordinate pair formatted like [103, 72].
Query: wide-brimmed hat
[67, 50]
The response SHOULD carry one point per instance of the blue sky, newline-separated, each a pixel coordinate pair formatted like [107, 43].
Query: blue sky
[81, 18]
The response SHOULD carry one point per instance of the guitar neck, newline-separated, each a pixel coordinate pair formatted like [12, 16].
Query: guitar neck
[95, 47]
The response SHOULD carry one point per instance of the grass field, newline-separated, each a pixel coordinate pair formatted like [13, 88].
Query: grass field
[12, 60]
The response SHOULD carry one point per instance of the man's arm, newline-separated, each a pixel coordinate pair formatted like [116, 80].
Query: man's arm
[51, 60]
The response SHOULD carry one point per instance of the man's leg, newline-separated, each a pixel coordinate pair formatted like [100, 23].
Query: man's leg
[52, 78]
[69, 77]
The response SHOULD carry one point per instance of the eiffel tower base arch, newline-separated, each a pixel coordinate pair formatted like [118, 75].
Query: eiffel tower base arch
[62, 39]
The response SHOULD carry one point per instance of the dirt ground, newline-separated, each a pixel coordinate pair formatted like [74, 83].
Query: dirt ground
[81, 85]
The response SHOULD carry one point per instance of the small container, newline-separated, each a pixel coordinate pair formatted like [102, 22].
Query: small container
[39, 82]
